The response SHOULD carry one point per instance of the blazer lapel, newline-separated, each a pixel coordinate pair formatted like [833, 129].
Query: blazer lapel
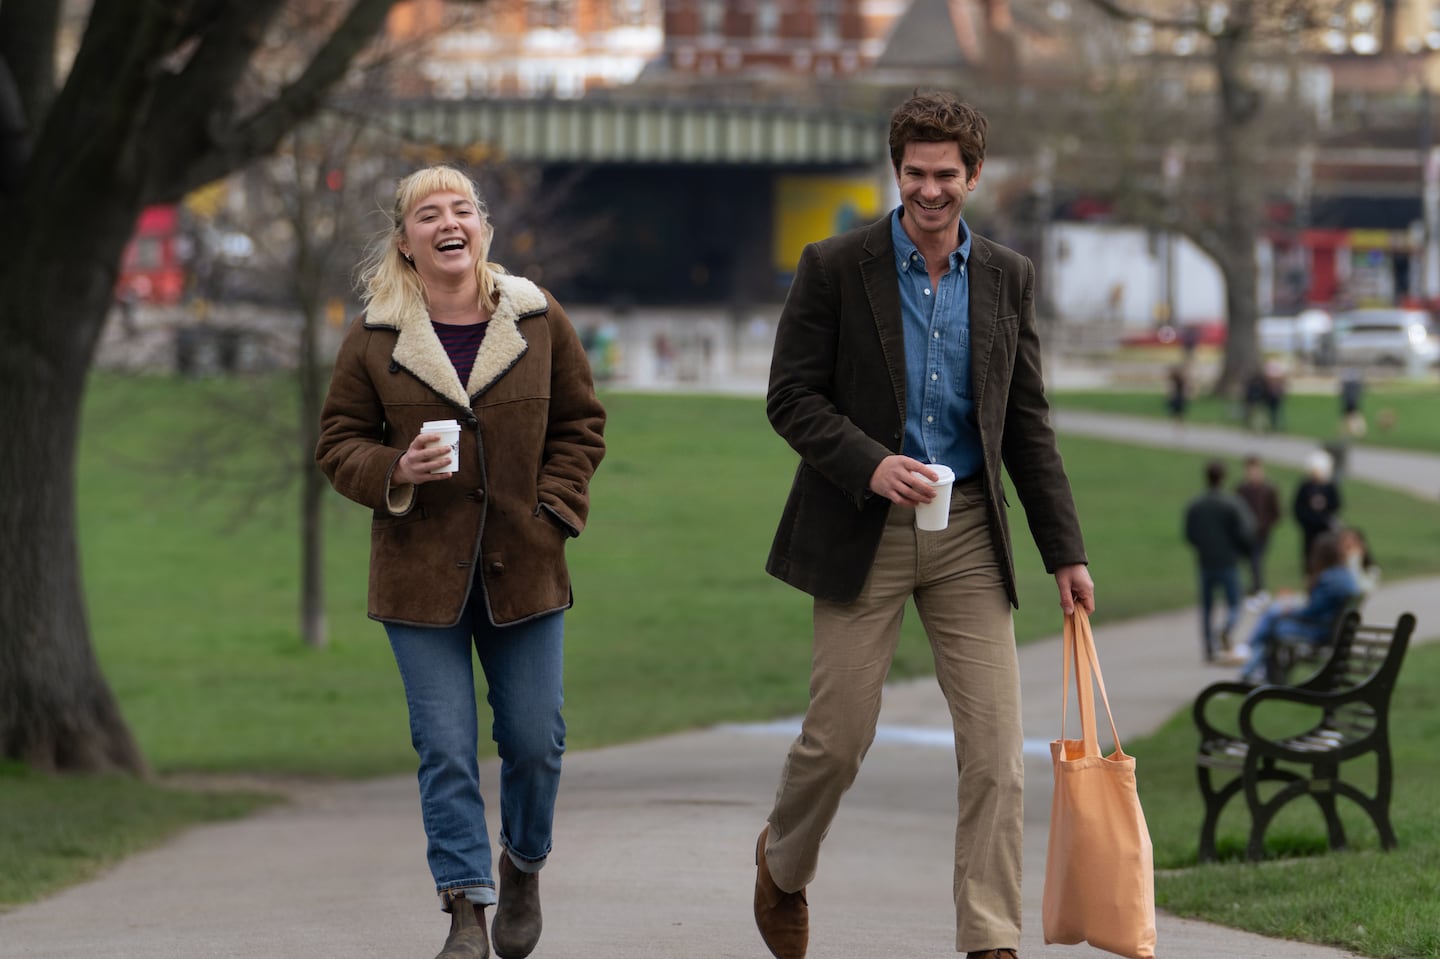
[985, 280]
[882, 289]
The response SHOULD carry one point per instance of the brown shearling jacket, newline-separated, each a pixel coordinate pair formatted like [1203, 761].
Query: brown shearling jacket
[531, 436]
[837, 396]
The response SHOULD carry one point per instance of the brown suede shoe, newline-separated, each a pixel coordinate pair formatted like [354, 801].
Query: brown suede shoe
[993, 954]
[782, 917]
[517, 918]
[467, 939]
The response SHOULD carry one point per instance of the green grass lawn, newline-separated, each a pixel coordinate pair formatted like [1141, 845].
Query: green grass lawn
[192, 591]
[1409, 409]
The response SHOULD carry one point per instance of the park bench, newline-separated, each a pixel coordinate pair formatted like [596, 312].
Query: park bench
[1348, 702]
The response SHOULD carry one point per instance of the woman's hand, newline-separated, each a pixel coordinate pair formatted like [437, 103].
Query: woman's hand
[417, 464]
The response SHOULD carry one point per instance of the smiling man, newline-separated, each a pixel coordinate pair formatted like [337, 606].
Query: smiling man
[902, 345]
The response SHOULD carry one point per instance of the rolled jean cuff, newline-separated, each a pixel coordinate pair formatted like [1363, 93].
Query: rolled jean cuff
[476, 895]
[526, 865]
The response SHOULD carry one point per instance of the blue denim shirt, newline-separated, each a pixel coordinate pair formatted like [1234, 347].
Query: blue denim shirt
[940, 422]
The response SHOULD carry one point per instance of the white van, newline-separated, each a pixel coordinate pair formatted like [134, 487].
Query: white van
[1386, 337]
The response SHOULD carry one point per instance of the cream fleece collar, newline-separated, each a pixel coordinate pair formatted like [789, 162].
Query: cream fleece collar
[418, 349]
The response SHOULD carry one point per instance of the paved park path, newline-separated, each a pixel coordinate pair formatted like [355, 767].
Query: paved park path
[654, 840]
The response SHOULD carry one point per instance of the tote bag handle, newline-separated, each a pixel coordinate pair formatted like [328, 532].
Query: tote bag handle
[1080, 646]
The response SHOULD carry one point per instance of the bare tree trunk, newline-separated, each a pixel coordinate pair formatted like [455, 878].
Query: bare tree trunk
[56, 711]
[312, 484]
[1239, 212]
[138, 119]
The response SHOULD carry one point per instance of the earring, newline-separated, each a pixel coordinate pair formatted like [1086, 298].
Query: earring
[408, 258]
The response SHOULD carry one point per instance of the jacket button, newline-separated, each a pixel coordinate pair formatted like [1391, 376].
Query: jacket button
[479, 495]
[497, 568]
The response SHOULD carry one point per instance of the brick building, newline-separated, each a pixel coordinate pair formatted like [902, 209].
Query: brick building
[820, 38]
[562, 48]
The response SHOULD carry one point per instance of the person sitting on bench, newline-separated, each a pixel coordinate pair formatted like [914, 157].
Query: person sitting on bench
[1333, 588]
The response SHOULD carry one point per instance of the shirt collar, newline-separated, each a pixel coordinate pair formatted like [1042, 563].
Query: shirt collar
[906, 253]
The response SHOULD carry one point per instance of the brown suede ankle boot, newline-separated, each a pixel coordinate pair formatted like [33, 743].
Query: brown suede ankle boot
[783, 918]
[467, 939]
[517, 918]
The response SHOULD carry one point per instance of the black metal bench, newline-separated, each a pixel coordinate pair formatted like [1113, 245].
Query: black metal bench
[1351, 693]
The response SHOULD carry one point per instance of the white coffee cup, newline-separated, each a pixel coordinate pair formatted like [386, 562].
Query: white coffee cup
[935, 515]
[449, 433]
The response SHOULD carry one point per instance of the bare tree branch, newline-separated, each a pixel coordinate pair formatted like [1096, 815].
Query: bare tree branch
[91, 127]
[1120, 12]
[259, 134]
[194, 100]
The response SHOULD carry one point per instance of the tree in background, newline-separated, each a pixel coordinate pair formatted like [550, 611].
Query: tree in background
[159, 98]
[1218, 202]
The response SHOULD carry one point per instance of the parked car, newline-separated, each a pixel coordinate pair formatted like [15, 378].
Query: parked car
[1200, 334]
[1300, 336]
[1386, 336]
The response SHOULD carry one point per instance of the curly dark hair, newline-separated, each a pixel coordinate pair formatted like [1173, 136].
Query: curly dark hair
[938, 117]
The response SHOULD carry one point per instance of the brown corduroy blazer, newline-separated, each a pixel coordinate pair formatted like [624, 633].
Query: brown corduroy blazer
[837, 396]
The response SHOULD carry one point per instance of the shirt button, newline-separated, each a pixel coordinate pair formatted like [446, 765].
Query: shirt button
[936, 334]
[927, 292]
[929, 419]
[934, 376]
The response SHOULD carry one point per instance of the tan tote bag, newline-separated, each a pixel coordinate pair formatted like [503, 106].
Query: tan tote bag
[1099, 867]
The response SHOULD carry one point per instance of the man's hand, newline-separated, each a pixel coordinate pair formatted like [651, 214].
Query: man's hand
[1076, 588]
[895, 480]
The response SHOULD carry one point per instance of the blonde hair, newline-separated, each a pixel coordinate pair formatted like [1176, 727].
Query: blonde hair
[389, 283]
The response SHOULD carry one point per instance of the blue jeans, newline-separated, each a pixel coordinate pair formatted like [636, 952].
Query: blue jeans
[523, 669]
[1275, 625]
[1225, 578]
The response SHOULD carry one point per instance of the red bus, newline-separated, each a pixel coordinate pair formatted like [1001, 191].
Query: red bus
[151, 270]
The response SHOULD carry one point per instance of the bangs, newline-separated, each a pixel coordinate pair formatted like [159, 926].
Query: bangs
[436, 179]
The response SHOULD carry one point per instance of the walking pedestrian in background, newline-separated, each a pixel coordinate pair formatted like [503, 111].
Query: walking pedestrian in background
[1352, 389]
[1219, 527]
[1317, 504]
[1177, 398]
[1263, 498]
[1275, 388]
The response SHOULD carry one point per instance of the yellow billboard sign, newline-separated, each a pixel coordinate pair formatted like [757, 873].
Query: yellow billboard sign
[810, 208]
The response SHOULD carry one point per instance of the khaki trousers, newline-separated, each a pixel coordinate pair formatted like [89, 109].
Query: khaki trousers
[956, 580]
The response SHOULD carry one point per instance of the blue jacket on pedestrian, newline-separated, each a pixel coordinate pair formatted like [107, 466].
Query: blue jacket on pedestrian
[1333, 589]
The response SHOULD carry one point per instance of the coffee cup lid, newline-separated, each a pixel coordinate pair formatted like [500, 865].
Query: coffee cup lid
[943, 474]
[431, 425]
